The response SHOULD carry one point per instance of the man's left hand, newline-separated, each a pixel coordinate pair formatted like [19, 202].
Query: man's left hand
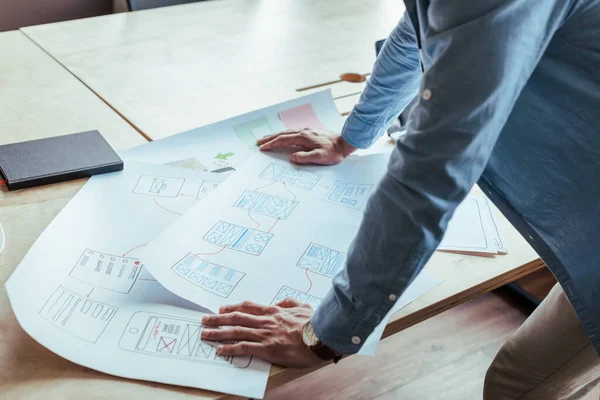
[273, 333]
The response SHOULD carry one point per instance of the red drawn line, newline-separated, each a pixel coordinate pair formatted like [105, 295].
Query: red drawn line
[255, 221]
[286, 188]
[275, 223]
[211, 254]
[189, 195]
[130, 250]
[310, 287]
[148, 279]
[166, 346]
[166, 209]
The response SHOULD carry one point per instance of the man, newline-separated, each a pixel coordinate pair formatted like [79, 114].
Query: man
[510, 96]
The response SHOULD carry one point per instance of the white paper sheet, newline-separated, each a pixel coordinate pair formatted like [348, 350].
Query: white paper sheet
[497, 238]
[82, 292]
[271, 231]
[229, 143]
[472, 229]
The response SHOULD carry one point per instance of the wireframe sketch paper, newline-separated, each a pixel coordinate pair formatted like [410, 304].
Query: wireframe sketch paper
[497, 238]
[473, 230]
[82, 291]
[271, 231]
[231, 142]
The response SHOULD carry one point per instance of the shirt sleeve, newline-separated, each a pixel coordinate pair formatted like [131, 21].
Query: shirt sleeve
[393, 83]
[479, 57]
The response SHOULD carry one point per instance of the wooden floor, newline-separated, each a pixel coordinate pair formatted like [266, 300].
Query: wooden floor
[443, 358]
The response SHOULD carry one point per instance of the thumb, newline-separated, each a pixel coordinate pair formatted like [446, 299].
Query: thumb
[307, 157]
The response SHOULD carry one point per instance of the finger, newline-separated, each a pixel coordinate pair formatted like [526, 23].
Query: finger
[247, 307]
[315, 156]
[237, 333]
[235, 318]
[287, 140]
[288, 302]
[268, 138]
[243, 349]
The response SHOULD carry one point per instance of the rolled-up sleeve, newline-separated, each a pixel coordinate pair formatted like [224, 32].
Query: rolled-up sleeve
[390, 88]
[479, 58]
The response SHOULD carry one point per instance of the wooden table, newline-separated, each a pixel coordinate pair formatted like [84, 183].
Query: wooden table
[172, 69]
[39, 98]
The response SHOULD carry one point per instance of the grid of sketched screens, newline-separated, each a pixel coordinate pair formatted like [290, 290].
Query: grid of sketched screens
[288, 292]
[79, 316]
[351, 195]
[265, 204]
[107, 271]
[236, 237]
[322, 260]
[299, 178]
[213, 278]
[172, 337]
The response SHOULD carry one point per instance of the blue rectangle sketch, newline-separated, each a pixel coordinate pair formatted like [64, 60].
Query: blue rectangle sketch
[322, 260]
[350, 195]
[240, 238]
[292, 176]
[266, 204]
[286, 292]
[213, 278]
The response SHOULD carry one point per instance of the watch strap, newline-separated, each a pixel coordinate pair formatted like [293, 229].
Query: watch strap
[325, 352]
[319, 348]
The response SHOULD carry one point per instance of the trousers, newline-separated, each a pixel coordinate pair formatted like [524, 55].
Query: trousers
[549, 357]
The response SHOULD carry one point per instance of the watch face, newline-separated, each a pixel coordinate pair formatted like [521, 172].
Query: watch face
[307, 338]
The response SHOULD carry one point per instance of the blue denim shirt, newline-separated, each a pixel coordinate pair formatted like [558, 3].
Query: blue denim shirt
[509, 96]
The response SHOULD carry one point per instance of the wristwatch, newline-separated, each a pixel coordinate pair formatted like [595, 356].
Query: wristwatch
[319, 348]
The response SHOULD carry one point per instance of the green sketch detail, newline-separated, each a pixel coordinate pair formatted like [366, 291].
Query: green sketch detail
[249, 131]
[225, 156]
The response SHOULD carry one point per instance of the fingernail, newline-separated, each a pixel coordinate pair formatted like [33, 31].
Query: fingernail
[219, 349]
[206, 318]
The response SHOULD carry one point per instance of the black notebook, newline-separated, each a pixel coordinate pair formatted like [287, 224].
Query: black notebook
[57, 159]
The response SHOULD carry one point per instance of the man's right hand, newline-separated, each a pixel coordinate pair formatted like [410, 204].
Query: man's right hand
[314, 147]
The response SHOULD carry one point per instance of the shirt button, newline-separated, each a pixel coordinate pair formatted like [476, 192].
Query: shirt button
[355, 340]
[426, 95]
[392, 297]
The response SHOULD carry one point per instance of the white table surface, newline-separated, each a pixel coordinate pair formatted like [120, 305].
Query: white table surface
[176, 68]
[39, 98]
